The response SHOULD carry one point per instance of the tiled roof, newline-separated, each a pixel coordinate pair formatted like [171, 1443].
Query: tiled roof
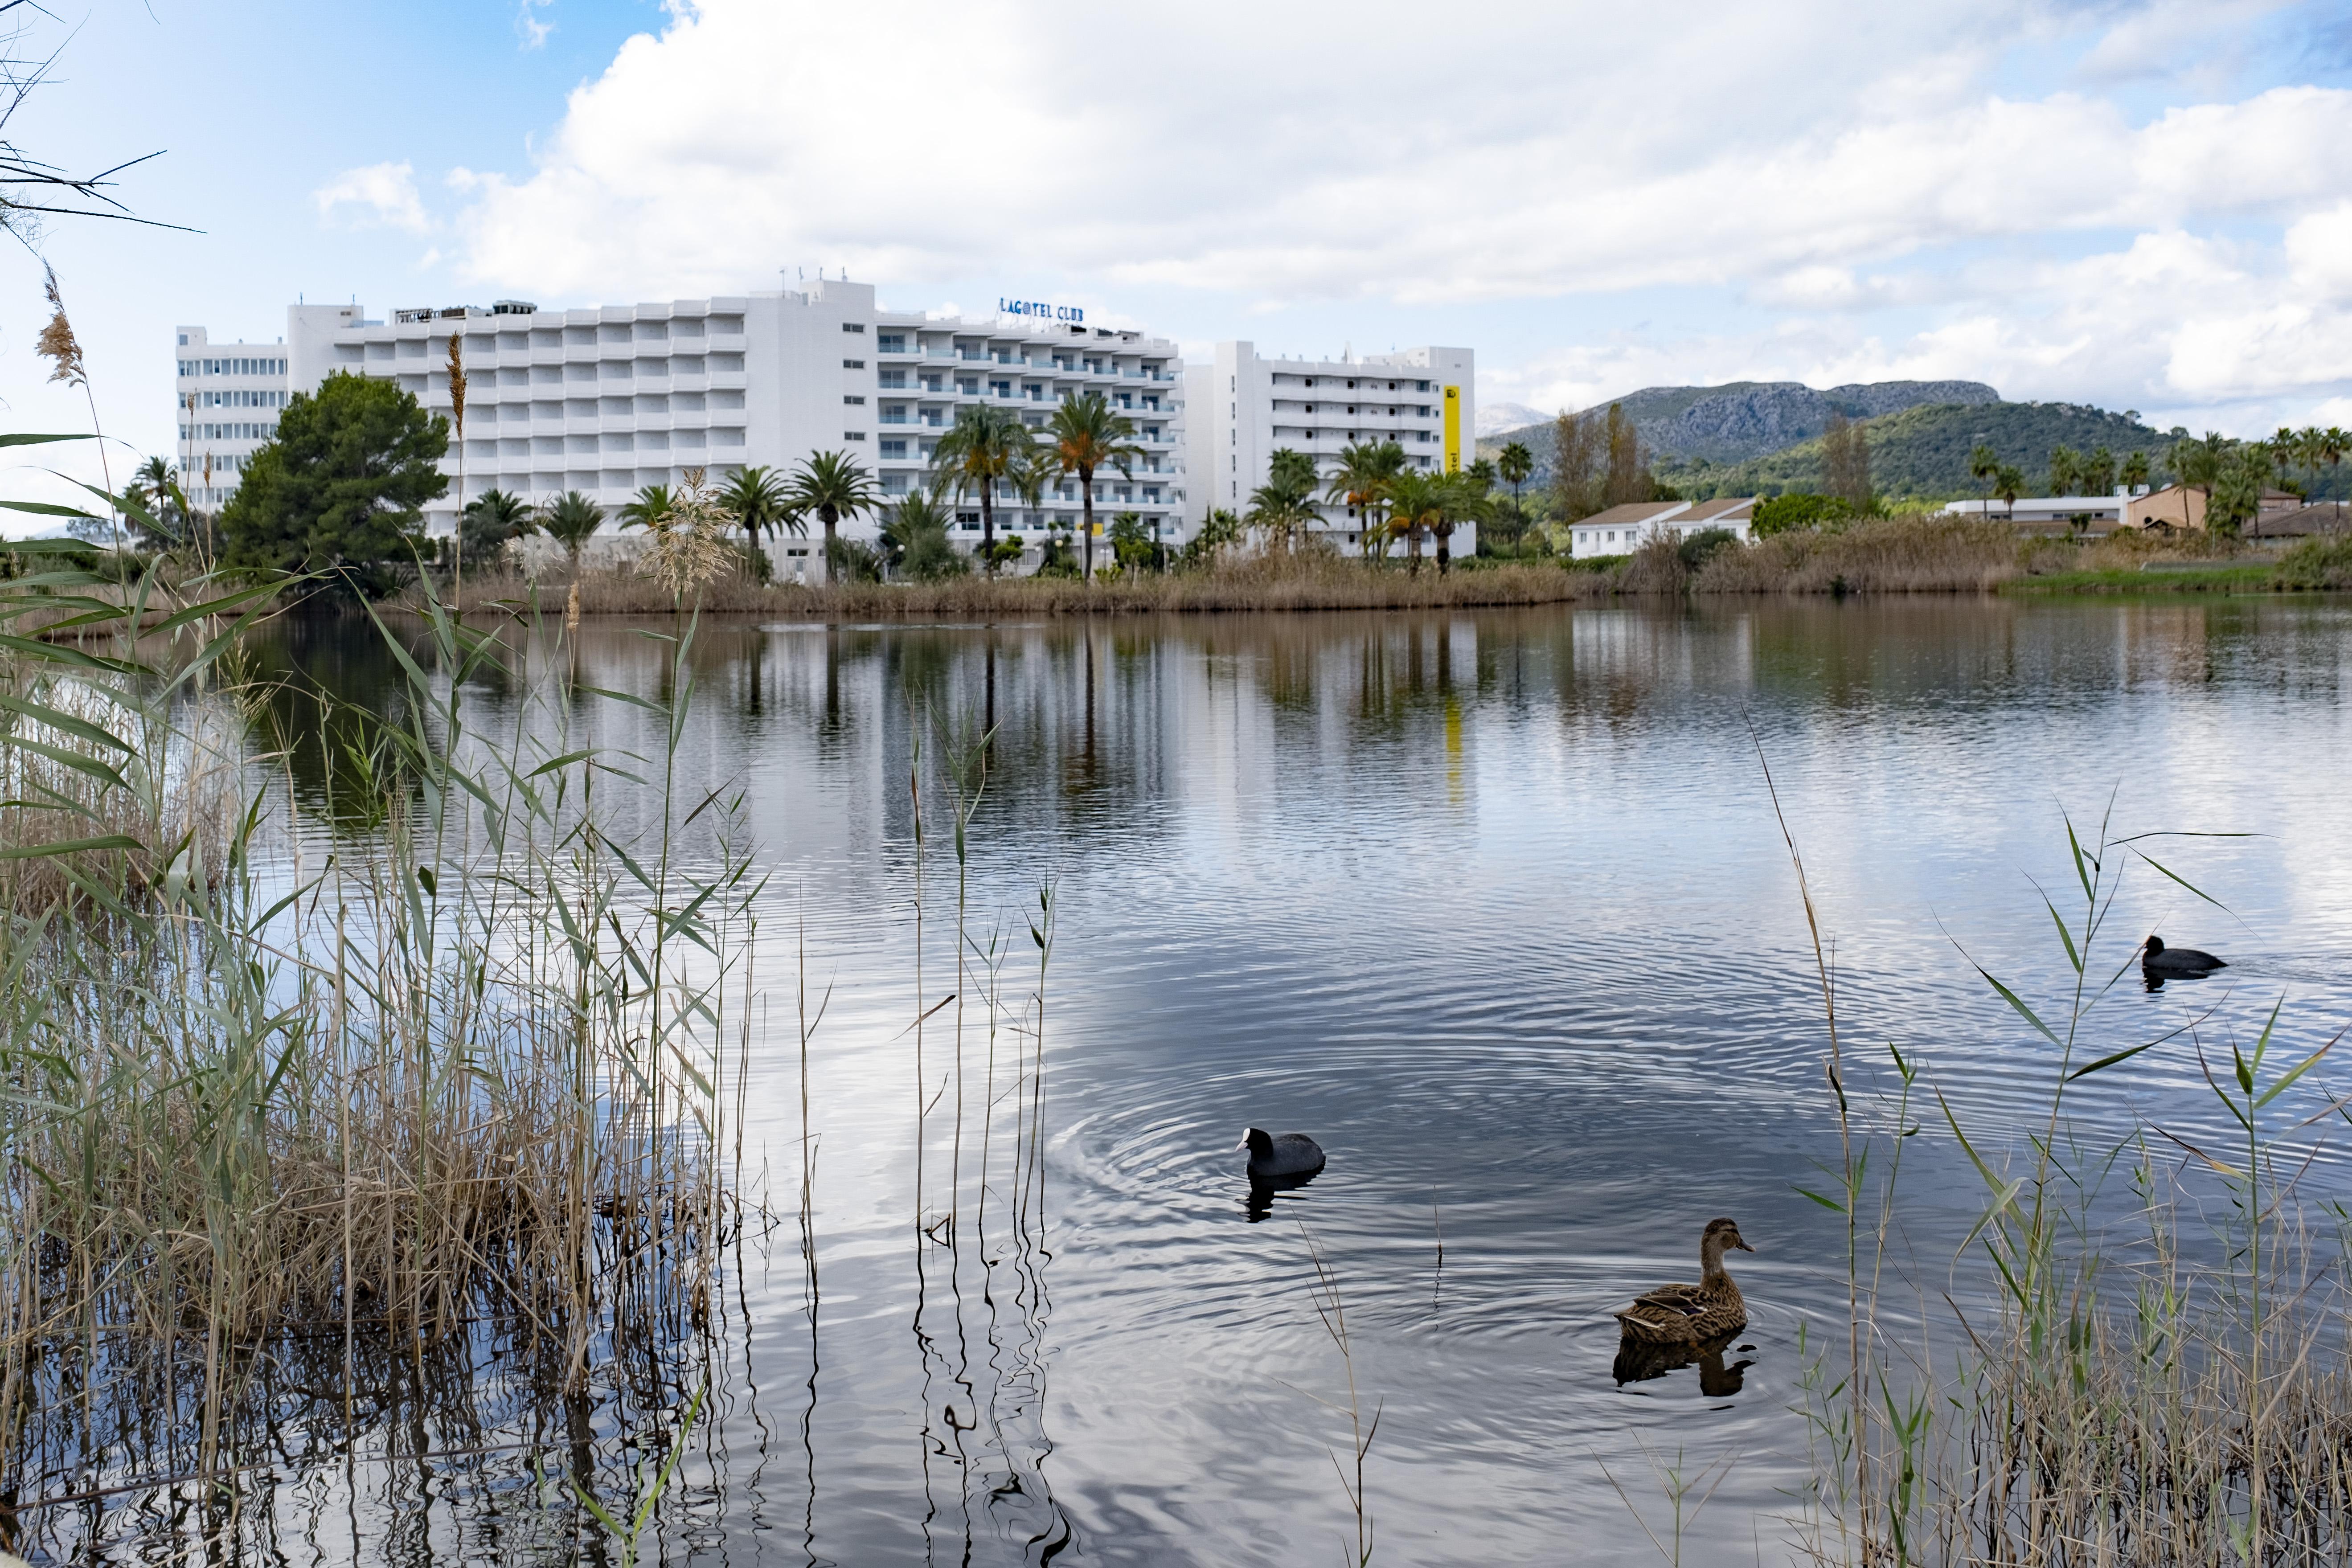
[1630, 512]
[2325, 516]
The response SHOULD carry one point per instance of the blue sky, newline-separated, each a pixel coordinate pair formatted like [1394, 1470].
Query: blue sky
[2143, 205]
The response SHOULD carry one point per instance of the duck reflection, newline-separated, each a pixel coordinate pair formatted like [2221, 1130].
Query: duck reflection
[1639, 1362]
[1259, 1204]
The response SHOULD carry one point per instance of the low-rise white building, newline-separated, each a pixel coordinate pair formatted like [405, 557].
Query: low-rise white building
[1622, 530]
[607, 400]
[2097, 513]
[1241, 408]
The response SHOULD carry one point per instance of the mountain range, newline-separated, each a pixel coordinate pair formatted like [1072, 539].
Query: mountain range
[1743, 419]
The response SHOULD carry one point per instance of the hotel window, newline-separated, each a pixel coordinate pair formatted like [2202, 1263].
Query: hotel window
[891, 343]
[856, 398]
[1000, 389]
[853, 435]
[853, 365]
[894, 449]
[845, 326]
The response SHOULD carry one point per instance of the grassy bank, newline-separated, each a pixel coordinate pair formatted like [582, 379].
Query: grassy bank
[2319, 564]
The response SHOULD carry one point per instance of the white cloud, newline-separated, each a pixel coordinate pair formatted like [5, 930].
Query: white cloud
[1541, 150]
[529, 27]
[385, 194]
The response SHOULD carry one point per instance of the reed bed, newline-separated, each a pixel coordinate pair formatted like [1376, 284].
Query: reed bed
[1305, 582]
[1920, 554]
[322, 1097]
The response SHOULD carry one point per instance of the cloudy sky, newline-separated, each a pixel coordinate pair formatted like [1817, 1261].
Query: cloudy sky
[2143, 206]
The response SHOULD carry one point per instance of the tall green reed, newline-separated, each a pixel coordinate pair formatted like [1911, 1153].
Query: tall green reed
[2210, 1417]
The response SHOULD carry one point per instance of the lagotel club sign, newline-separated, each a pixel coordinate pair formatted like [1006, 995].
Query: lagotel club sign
[1041, 309]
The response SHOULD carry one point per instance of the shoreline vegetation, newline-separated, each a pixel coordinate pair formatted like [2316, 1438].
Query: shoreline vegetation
[1903, 555]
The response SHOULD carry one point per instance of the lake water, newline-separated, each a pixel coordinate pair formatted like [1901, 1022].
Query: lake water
[1497, 907]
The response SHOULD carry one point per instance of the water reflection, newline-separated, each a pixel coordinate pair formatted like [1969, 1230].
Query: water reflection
[1494, 903]
[1639, 1362]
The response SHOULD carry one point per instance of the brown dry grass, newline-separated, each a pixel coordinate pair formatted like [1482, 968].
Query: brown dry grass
[1919, 554]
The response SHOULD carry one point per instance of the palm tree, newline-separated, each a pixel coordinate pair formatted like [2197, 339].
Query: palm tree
[2134, 472]
[1515, 465]
[652, 507]
[832, 486]
[569, 521]
[2098, 472]
[153, 502]
[1285, 505]
[2008, 483]
[1086, 435]
[490, 519]
[1361, 482]
[2199, 465]
[1984, 467]
[1464, 497]
[986, 448]
[1417, 502]
[2065, 471]
[914, 539]
[755, 497]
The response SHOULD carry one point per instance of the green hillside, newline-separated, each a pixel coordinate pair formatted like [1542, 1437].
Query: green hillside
[1922, 453]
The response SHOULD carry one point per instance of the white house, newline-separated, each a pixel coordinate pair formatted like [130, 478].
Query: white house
[1622, 530]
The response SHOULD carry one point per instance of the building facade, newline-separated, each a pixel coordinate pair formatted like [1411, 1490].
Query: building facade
[610, 399]
[226, 398]
[1241, 408]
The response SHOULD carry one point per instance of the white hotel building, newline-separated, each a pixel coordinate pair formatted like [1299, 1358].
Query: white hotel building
[607, 400]
[1241, 408]
[226, 398]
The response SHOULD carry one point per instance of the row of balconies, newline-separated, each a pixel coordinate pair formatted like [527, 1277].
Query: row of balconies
[1337, 439]
[1065, 364]
[497, 448]
[376, 350]
[435, 389]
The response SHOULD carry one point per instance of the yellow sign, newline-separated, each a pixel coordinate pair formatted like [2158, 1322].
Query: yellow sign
[1452, 429]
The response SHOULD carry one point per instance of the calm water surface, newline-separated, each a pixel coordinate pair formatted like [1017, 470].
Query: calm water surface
[1495, 906]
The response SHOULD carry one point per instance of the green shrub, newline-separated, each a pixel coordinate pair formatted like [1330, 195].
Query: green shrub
[2321, 562]
[1695, 549]
[1785, 514]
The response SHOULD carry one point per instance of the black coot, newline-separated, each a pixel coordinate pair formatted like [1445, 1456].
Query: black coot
[2176, 963]
[1291, 1157]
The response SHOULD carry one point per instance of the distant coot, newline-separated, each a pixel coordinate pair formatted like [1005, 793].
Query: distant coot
[1290, 1157]
[2176, 961]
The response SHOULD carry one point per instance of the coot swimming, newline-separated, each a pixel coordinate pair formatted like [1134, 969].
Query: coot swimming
[1277, 1159]
[2158, 959]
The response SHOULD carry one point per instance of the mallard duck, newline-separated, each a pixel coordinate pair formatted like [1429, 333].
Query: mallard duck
[1271, 1159]
[1684, 1314]
[2178, 962]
